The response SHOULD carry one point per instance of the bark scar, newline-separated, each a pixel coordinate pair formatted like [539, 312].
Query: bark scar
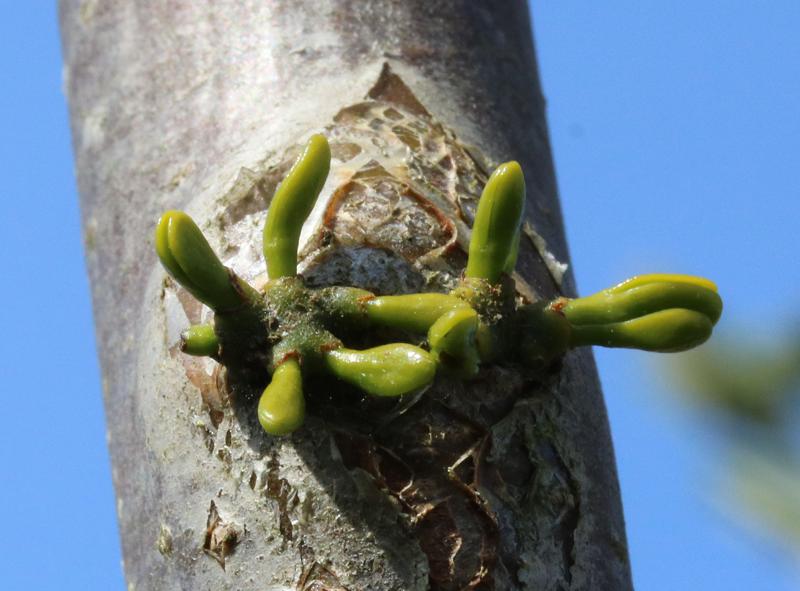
[221, 537]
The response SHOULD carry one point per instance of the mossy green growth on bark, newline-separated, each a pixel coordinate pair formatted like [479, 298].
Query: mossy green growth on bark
[289, 330]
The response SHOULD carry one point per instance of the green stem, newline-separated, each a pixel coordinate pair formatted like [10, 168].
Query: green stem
[413, 312]
[544, 334]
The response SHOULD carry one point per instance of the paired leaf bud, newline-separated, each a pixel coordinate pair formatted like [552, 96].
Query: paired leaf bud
[186, 255]
[663, 313]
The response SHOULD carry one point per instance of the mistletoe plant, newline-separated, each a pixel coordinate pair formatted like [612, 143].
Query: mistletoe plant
[289, 330]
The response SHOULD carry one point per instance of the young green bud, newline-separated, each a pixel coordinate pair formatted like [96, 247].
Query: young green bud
[200, 340]
[414, 312]
[388, 370]
[282, 408]
[494, 233]
[292, 204]
[187, 256]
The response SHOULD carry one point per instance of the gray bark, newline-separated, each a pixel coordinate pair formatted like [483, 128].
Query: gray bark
[507, 482]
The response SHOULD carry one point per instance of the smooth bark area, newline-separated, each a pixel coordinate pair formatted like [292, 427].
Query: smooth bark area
[507, 482]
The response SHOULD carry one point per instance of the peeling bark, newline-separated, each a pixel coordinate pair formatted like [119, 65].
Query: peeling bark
[505, 482]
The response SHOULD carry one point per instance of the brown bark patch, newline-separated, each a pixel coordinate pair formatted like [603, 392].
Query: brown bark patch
[319, 578]
[391, 88]
[221, 537]
[279, 490]
[379, 211]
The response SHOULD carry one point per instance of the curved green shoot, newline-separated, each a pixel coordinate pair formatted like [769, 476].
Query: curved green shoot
[282, 407]
[494, 233]
[388, 370]
[292, 204]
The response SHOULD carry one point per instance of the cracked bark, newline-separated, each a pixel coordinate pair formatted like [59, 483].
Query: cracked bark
[506, 482]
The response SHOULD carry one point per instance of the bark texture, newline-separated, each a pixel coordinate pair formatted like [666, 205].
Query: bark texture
[507, 482]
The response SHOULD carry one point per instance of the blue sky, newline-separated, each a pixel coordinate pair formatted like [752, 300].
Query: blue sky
[56, 495]
[676, 134]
